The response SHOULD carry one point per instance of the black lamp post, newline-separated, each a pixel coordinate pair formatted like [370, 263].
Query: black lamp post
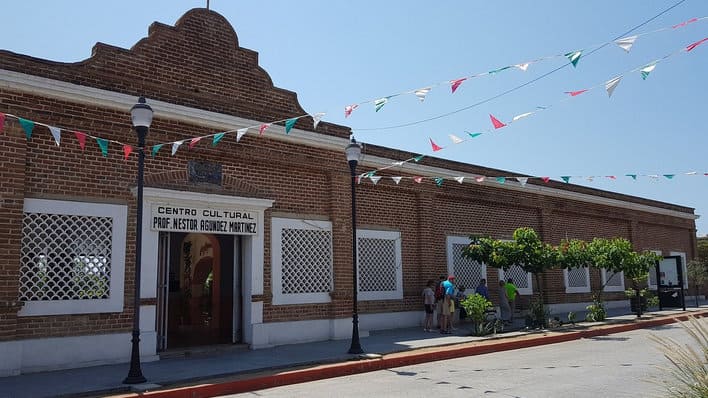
[353, 152]
[141, 114]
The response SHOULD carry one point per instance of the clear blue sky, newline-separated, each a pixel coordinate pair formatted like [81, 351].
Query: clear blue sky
[334, 53]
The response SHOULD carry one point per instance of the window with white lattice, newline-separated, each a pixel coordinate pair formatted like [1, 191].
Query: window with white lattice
[522, 279]
[380, 271]
[613, 281]
[72, 258]
[301, 261]
[467, 272]
[577, 280]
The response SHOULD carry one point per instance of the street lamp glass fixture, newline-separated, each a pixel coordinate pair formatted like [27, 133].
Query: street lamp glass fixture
[353, 151]
[141, 113]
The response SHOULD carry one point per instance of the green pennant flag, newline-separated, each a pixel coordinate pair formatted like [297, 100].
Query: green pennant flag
[103, 143]
[370, 174]
[645, 71]
[472, 135]
[27, 125]
[289, 124]
[156, 148]
[574, 57]
[634, 176]
[217, 138]
[669, 176]
[491, 72]
[438, 181]
[501, 180]
[418, 158]
[566, 178]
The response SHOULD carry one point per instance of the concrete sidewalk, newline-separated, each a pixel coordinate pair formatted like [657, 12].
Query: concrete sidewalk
[238, 370]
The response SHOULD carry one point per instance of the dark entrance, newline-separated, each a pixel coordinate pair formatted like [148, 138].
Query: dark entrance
[669, 275]
[197, 289]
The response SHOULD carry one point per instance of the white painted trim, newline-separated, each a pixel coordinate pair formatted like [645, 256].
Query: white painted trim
[93, 96]
[578, 289]
[683, 267]
[114, 302]
[280, 298]
[603, 279]
[387, 235]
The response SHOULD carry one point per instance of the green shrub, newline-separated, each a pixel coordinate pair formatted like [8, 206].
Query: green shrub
[596, 312]
[476, 307]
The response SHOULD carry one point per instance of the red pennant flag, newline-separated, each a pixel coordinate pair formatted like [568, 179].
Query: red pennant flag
[357, 179]
[456, 83]
[696, 44]
[682, 24]
[435, 146]
[497, 124]
[82, 139]
[194, 141]
[575, 93]
[2, 121]
[263, 128]
[546, 179]
[127, 149]
[418, 179]
[349, 109]
[612, 177]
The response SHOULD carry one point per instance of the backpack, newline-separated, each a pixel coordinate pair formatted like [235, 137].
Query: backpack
[439, 292]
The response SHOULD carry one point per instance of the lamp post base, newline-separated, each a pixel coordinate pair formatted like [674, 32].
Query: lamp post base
[355, 348]
[135, 374]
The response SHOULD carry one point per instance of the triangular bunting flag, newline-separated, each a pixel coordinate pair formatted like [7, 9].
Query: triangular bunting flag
[176, 145]
[103, 143]
[691, 173]
[396, 179]
[626, 43]
[418, 179]
[240, 133]
[455, 139]
[349, 109]
[696, 44]
[611, 84]
[418, 158]
[56, 133]
[459, 179]
[501, 180]
[127, 150]
[398, 163]
[491, 72]
[546, 179]
[456, 83]
[358, 179]
[497, 124]
[263, 128]
[565, 178]
[192, 142]
[522, 180]
[2, 121]
[421, 93]
[217, 138]
[369, 174]
[472, 135]
[682, 24]
[379, 103]
[574, 57]
[575, 93]
[438, 181]
[669, 176]
[645, 71]
[27, 125]
[612, 177]
[591, 178]
[480, 178]
[523, 67]
[521, 116]
[434, 145]
[634, 176]
[289, 124]
[653, 176]
[374, 179]
[316, 118]
[156, 148]
[82, 139]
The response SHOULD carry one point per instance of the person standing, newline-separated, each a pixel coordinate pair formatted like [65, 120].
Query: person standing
[504, 307]
[511, 292]
[439, 299]
[429, 303]
[482, 289]
[447, 305]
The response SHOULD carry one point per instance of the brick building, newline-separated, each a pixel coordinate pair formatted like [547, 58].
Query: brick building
[283, 273]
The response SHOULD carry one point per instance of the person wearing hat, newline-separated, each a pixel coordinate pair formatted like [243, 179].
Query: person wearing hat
[449, 287]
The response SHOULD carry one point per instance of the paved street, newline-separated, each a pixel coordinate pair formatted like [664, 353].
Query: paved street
[618, 365]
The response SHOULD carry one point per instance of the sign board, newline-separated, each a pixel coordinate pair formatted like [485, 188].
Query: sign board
[203, 220]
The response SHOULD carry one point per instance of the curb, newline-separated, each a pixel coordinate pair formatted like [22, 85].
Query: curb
[246, 383]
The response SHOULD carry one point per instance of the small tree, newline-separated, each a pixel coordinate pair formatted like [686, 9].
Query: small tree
[476, 307]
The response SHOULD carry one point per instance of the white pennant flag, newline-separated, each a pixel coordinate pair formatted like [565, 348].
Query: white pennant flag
[375, 179]
[455, 139]
[459, 179]
[626, 43]
[240, 133]
[421, 93]
[56, 133]
[612, 84]
[522, 180]
[175, 146]
[521, 116]
[396, 179]
[400, 163]
[591, 178]
[316, 118]
[523, 67]
[691, 173]
[653, 176]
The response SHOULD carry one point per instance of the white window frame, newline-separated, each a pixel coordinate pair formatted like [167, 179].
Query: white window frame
[114, 302]
[465, 240]
[381, 295]
[683, 266]
[577, 289]
[279, 298]
[652, 270]
[621, 288]
[522, 290]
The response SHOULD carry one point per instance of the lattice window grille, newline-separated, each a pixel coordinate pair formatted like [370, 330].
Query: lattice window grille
[306, 261]
[467, 272]
[65, 257]
[578, 278]
[613, 279]
[378, 267]
[521, 277]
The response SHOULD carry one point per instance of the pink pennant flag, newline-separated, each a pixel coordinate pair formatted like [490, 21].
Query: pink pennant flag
[546, 179]
[497, 124]
[82, 139]
[696, 44]
[612, 177]
[263, 128]
[349, 109]
[127, 149]
[682, 24]
[480, 178]
[2, 121]
[575, 93]
[456, 83]
[434, 145]
[194, 141]
[418, 179]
